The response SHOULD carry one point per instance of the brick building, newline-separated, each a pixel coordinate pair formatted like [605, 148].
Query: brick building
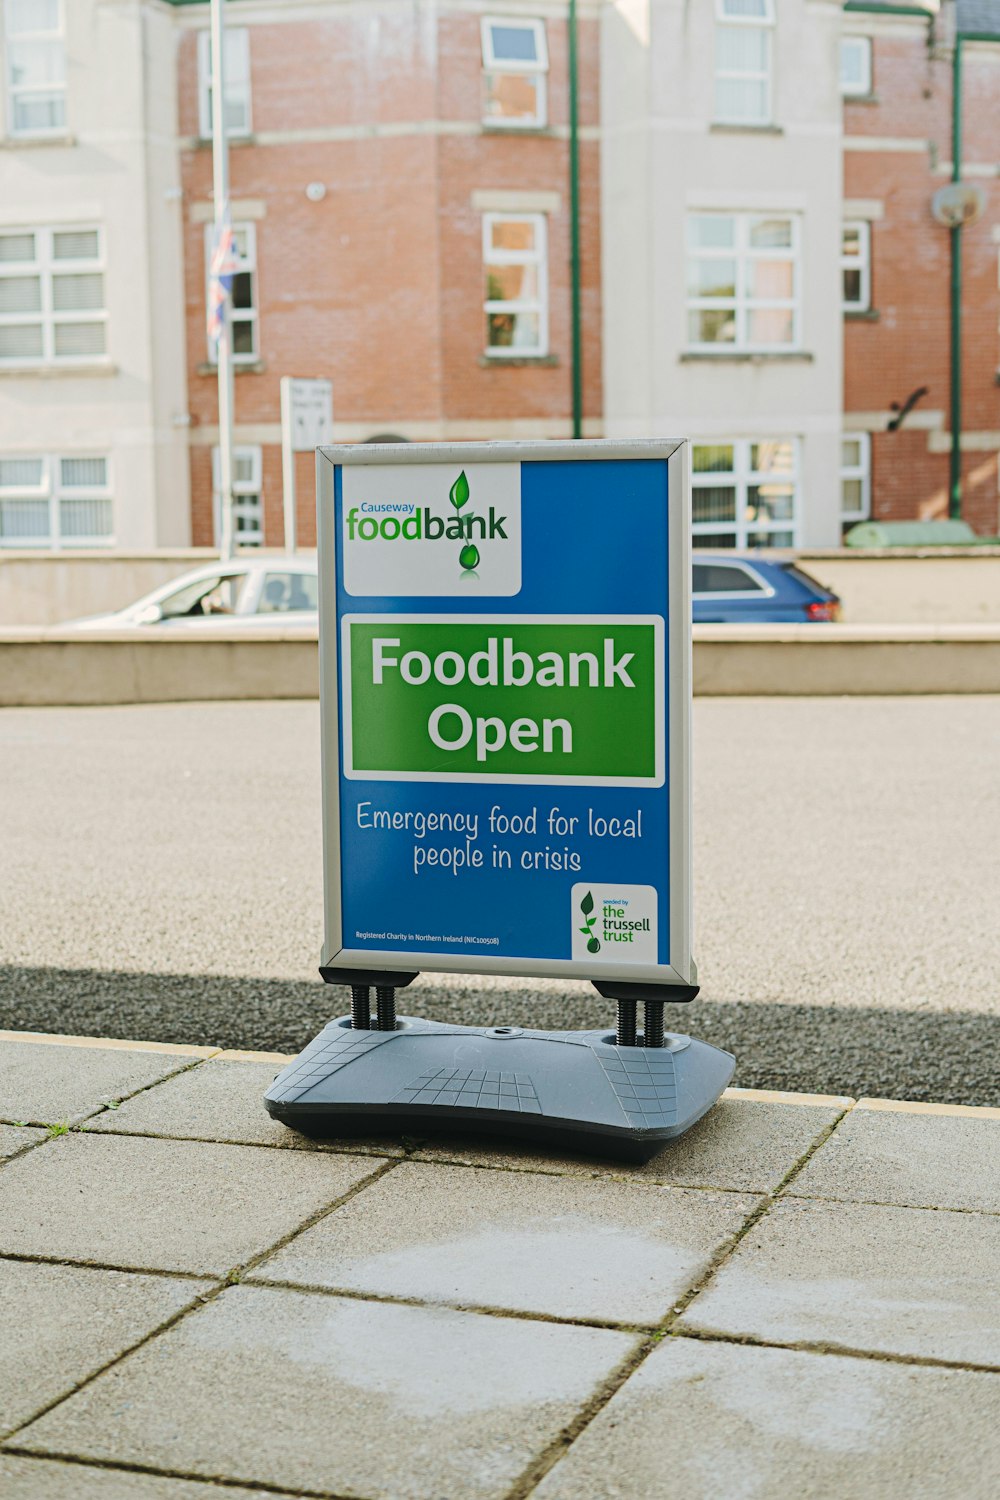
[897, 153]
[394, 169]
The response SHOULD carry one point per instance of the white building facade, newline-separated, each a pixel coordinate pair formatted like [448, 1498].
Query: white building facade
[93, 406]
[721, 179]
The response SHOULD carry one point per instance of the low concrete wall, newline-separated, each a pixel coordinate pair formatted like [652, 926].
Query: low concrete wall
[945, 585]
[62, 667]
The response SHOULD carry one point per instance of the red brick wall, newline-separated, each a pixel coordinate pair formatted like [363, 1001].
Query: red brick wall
[379, 286]
[908, 346]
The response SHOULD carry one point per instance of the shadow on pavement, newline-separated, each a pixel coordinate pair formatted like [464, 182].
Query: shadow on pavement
[951, 1058]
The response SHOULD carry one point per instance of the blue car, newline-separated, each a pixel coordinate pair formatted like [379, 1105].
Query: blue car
[730, 589]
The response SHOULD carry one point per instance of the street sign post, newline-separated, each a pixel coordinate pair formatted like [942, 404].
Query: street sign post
[306, 424]
[505, 659]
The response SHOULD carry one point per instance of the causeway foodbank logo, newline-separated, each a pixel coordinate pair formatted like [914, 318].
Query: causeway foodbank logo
[406, 521]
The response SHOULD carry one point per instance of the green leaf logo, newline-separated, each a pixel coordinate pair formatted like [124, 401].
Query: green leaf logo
[587, 904]
[587, 907]
[459, 492]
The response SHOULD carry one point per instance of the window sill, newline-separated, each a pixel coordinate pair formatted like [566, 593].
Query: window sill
[748, 356]
[240, 367]
[505, 361]
[494, 127]
[860, 98]
[204, 142]
[725, 127]
[46, 372]
[861, 315]
[20, 142]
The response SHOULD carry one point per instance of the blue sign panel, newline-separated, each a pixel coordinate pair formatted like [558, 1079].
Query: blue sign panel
[505, 642]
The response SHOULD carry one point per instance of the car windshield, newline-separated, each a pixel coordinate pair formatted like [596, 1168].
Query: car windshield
[287, 593]
[217, 595]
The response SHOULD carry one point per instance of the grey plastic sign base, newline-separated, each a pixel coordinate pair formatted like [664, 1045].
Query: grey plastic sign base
[576, 1089]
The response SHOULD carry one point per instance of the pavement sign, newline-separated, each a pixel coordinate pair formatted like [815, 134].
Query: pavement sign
[505, 645]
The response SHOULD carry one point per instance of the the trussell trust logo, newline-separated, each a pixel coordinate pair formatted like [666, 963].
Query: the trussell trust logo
[423, 529]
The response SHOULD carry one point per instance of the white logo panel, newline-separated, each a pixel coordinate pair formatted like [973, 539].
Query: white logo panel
[420, 530]
[614, 923]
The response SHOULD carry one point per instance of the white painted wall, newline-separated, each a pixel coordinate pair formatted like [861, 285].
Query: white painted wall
[118, 168]
[661, 157]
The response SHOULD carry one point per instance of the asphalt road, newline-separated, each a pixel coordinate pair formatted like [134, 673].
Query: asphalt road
[160, 878]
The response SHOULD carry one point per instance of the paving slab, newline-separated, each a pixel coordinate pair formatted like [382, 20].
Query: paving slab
[900, 1156]
[564, 1246]
[164, 1205]
[904, 1281]
[714, 1421]
[309, 1391]
[48, 1479]
[746, 1145]
[14, 1138]
[61, 1323]
[221, 1100]
[48, 1083]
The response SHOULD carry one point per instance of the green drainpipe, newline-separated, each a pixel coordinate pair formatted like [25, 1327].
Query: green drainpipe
[955, 233]
[574, 225]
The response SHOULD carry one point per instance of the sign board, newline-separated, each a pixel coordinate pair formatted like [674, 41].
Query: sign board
[505, 646]
[310, 409]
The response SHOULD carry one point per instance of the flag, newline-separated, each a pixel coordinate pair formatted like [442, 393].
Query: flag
[221, 270]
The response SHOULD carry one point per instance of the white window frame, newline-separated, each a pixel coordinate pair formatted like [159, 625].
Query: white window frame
[539, 68]
[540, 257]
[728, 18]
[861, 470]
[742, 477]
[14, 91]
[861, 262]
[45, 266]
[742, 252]
[247, 263]
[248, 496]
[863, 87]
[52, 489]
[239, 90]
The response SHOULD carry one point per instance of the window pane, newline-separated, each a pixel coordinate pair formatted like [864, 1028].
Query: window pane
[20, 473]
[711, 278]
[850, 453]
[243, 336]
[511, 283]
[713, 503]
[83, 473]
[36, 64]
[741, 49]
[772, 458]
[241, 240]
[715, 540]
[513, 330]
[244, 466]
[771, 278]
[770, 539]
[24, 520]
[770, 325]
[243, 290]
[20, 294]
[711, 231]
[32, 15]
[284, 593]
[514, 43]
[851, 239]
[751, 8]
[85, 518]
[75, 340]
[17, 247]
[513, 234]
[713, 458]
[84, 293]
[771, 234]
[772, 502]
[712, 325]
[39, 112]
[852, 495]
[75, 244]
[852, 286]
[21, 341]
[512, 96]
[741, 100]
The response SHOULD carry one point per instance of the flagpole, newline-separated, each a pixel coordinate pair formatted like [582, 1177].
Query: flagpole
[220, 189]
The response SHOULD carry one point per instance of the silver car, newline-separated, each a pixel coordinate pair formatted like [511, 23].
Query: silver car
[251, 593]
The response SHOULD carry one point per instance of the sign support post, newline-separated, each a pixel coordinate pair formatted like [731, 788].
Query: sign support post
[306, 424]
[505, 684]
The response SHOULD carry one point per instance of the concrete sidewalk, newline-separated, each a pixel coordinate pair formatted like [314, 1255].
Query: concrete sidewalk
[798, 1298]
